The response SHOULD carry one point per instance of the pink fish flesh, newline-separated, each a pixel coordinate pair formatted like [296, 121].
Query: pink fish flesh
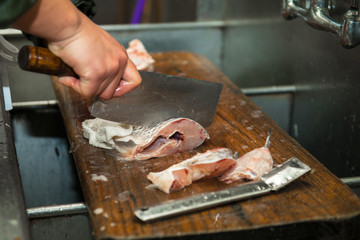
[166, 138]
[250, 166]
[140, 57]
[212, 163]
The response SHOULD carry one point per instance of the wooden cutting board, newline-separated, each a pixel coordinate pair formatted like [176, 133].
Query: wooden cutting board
[319, 204]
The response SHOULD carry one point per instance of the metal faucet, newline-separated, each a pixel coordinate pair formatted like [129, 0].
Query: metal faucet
[317, 14]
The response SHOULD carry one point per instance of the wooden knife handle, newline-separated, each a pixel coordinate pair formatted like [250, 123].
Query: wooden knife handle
[41, 60]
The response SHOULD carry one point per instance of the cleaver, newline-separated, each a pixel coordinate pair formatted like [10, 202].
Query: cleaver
[158, 98]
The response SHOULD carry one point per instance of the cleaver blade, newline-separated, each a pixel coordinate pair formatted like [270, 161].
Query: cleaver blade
[160, 97]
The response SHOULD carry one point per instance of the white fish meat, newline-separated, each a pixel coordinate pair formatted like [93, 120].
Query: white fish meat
[140, 57]
[166, 138]
[250, 166]
[212, 163]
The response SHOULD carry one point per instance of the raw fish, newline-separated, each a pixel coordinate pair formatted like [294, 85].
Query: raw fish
[166, 138]
[212, 163]
[250, 166]
[140, 57]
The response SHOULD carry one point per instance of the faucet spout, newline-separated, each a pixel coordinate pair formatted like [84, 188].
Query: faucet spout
[350, 29]
[316, 14]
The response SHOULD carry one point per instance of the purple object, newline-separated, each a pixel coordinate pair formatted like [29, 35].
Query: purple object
[138, 11]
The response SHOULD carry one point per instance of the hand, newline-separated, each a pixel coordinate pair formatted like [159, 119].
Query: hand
[99, 60]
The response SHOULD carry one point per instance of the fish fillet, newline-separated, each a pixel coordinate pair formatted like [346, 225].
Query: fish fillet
[166, 138]
[140, 57]
[212, 163]
[250, 166]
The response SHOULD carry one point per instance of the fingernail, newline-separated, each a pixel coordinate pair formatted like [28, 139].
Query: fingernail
[117, 92]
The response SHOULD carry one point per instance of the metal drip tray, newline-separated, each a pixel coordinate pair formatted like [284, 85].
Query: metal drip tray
[52, 192]
[46, 166]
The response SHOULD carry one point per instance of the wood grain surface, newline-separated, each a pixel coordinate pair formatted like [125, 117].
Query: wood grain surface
[316, 206]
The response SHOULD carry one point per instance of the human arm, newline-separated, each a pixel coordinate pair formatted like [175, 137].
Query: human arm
[99, 60]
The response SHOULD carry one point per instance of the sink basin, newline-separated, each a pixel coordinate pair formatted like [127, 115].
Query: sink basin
[45, 162]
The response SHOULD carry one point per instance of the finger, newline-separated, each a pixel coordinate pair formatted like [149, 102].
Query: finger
[111, 88]
[129, 81]
[80, 86]
[69, 82]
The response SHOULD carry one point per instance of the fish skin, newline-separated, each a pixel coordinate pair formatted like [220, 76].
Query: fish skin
[101, 132]
[166, 138]
[250, 166]
[211, 163]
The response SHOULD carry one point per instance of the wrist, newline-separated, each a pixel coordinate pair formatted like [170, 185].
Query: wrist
[69, 26]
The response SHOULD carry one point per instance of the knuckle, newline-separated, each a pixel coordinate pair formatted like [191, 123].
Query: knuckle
[123, 61]
[114, 66]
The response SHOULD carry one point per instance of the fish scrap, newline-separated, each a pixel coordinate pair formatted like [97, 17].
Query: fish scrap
[140, 57]
[219, 162]
[212, 163]
[250, 166]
